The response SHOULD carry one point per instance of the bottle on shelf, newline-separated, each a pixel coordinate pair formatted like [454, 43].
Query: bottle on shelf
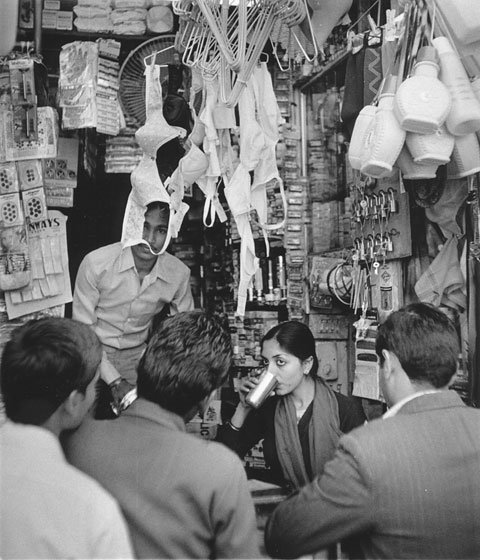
[269, 297]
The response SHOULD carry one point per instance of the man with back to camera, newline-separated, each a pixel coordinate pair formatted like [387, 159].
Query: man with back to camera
[406, 485]
[119, 290]
[48, 508]
[182, 496]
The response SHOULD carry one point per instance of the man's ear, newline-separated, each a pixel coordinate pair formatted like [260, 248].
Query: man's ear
[72, 404]
[387, 363]
[201, 407]
[203, 404]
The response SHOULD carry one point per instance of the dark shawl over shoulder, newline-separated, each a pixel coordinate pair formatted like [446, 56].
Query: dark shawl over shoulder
[260, 425]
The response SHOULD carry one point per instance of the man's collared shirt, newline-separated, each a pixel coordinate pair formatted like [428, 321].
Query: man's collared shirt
[392, 411]
[109, 294]
[48, 508]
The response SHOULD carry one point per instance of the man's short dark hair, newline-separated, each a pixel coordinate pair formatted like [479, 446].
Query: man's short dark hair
[187, 357]
[425, 342]
[162, 207]
[42, 363]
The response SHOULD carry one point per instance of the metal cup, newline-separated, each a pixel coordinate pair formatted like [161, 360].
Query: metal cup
[266, 383]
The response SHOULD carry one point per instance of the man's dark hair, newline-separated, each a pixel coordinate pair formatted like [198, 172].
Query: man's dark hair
[425, 342]
[42, 363]
[163, 207]
[187, 357]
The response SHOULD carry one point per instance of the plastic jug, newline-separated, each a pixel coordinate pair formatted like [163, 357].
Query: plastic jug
[464, 115]
[385, 137]
[412, 170]
[357, 144]
[465, 158]
[422, 102]
[435, 148]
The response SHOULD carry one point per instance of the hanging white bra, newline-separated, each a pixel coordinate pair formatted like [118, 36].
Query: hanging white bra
[156, 131]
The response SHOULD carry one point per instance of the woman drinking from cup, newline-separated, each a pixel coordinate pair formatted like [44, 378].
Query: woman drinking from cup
[302, 418]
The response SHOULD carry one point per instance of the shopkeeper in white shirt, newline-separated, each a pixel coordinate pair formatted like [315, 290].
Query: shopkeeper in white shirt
[119, 290]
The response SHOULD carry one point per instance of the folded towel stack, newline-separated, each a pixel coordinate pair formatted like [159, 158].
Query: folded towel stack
[124, 17]
[129, 16]
[93, 16]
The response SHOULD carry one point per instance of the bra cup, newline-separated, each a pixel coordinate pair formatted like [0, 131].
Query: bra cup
[193, 165]
[190, 168]
[269, 115]
[198, 133]
[154, 134]
[146, 183]
[237, 192]
[156, 131]
[252, 137]
[259, 202]
[267, 169]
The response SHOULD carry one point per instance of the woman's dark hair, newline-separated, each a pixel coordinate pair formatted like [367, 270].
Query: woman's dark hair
[296, 339]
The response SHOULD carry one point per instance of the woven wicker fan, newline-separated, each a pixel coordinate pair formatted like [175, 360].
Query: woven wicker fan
[132, 79]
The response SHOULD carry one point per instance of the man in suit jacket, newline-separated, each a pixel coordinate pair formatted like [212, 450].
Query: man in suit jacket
[182, 496]
[406, 485]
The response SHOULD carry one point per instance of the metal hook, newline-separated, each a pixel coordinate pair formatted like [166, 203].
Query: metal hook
[154, 54]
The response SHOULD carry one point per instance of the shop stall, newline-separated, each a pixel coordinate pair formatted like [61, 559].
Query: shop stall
[324, 166]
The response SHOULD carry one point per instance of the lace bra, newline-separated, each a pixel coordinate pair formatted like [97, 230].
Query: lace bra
[156, 131]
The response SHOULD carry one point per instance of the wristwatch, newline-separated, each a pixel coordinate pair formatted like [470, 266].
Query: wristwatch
[123, 393]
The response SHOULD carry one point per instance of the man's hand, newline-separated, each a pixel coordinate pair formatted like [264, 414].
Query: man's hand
[123, 395]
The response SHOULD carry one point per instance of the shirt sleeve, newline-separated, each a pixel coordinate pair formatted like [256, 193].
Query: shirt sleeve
[86, 294]
[241, 441]
[235, 526]
[183, 300]
[328, 510]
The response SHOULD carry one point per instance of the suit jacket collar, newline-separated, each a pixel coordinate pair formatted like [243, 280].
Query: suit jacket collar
[152, 412]
[432, 401]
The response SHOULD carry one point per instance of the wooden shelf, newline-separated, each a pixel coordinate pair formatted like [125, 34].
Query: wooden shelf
[306, 82]
[27, 34]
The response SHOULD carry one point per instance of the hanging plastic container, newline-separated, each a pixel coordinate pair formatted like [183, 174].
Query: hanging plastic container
[412, 170]
[422, 102]
[464, 115]
[435, 148]
[463, 17]
[466, 157]
[358, 141]
[385, 137]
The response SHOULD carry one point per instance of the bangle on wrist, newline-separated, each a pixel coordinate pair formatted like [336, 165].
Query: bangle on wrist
[235, 428]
